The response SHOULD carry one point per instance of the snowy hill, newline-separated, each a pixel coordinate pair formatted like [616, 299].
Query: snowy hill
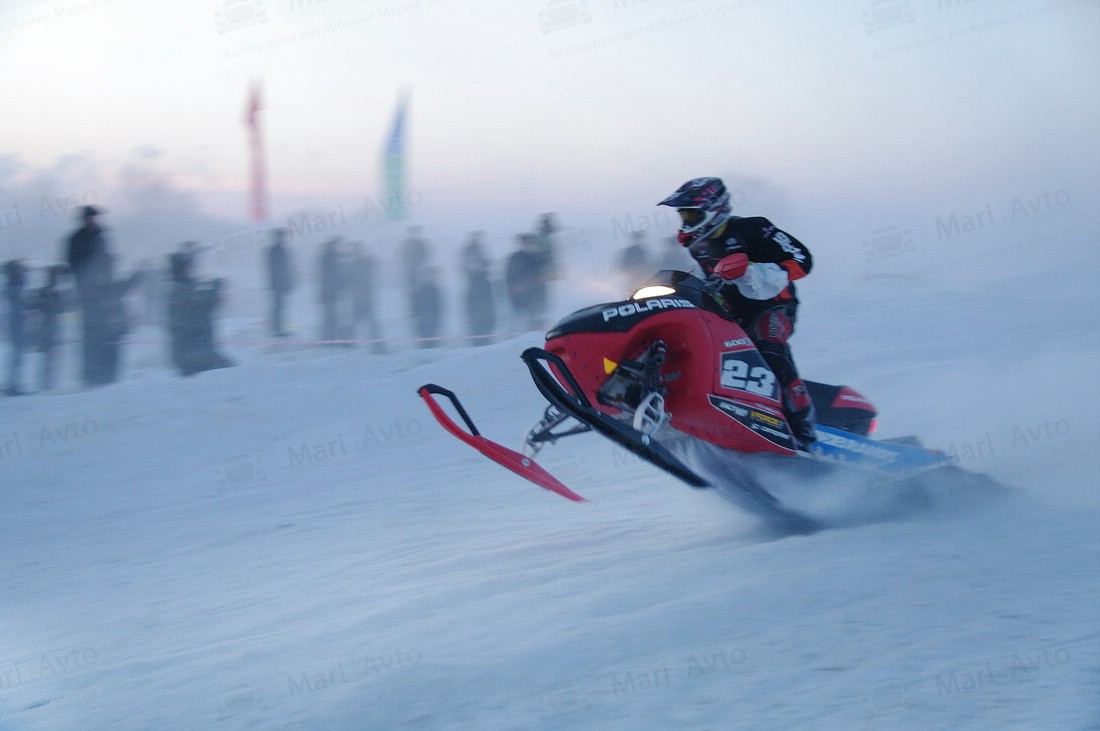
[294, 543]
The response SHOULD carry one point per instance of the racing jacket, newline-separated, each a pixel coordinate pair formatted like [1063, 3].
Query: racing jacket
[764, 243]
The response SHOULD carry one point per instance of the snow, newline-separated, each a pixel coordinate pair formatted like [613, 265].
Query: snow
[295, 543]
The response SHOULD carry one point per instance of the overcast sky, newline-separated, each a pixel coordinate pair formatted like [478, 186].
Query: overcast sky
[865, 113]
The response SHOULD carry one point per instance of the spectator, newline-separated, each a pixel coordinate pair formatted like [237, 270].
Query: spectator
[52, 303]
[526, 280]
[15, 276]
[634, 260]
[332, 290]
[677, 258]
[150, 293]
[280, 280]
[416, 253]
[361, 280]
[191, 306]
[104, 320]
[192, 249]
[545, 246]
[428, 314]
[480, 307]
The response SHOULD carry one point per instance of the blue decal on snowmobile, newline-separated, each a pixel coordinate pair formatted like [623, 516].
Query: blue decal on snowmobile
[893, 457]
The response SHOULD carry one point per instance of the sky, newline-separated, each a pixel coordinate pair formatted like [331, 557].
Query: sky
[837, 120]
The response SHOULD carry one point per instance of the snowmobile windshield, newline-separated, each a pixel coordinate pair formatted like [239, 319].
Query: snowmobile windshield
[686, 286]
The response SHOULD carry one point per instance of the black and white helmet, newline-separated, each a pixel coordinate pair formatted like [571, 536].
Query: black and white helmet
[703, 205]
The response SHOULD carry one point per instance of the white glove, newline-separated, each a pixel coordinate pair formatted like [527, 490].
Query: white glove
[762, 281]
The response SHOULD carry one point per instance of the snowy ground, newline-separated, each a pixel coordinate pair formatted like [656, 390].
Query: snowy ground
[294, 543]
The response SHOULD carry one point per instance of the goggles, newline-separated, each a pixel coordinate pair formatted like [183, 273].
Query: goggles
[691, 217]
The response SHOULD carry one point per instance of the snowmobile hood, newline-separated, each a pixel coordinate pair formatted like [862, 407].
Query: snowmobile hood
[616, 317]
[620, 317]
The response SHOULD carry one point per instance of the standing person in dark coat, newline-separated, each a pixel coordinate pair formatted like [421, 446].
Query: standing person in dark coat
[104, 320]
[428, 315]
[149, 294]
[525, 275]
[361, 269]
[416, 254]
[52, 303]
[280, 279]
[677, 258]
[191, 306]
[15, 276]
[545, 245]
[634, 260]
[481, 316]
[332, 289]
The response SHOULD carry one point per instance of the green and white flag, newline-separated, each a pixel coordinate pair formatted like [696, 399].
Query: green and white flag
[393, 164]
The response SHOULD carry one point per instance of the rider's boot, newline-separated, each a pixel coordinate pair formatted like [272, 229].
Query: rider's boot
[799, 410]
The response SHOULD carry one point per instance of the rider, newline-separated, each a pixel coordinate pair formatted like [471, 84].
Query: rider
[754, 265]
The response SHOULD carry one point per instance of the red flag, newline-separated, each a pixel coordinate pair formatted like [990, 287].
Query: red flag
[259, 182]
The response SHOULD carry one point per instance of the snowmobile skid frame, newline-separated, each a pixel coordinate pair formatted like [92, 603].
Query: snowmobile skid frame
[544, 365]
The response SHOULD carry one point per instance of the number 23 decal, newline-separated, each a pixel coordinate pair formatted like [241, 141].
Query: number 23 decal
[742, 376]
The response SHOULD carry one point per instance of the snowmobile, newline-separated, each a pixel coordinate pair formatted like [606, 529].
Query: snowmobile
[671, 377]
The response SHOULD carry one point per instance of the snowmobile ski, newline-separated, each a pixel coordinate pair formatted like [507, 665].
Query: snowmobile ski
[522, 465]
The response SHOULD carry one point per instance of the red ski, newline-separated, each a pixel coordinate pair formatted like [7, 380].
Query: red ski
[523, 466]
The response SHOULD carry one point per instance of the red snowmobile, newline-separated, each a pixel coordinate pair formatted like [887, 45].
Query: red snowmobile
[668, 375]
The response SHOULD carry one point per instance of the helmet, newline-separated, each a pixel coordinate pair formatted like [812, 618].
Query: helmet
[703, 205]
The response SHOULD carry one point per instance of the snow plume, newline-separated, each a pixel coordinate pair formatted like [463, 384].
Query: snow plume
[810, 495]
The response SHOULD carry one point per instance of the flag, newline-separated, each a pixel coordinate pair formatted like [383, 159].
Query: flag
[393, 164]
[259, 181]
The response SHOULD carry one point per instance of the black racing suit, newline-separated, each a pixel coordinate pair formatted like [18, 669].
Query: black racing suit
[769, 322]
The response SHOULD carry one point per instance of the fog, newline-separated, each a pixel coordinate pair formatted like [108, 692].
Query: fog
[884, 134]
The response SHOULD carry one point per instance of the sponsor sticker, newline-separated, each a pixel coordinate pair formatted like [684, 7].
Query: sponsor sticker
[645, 306]
[866, 449]
[766, 418]
[767, 426]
